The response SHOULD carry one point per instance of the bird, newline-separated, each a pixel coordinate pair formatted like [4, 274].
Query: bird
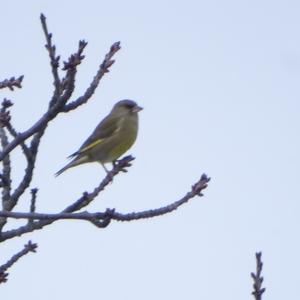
[114, 135]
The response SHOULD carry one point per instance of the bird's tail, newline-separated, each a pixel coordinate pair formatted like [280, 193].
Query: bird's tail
[75, 162]
[62, 170]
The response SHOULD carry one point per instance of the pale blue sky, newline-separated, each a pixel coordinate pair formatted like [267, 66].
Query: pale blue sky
[219, 82]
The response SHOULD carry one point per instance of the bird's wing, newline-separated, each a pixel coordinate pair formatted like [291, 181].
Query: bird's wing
[104, 130]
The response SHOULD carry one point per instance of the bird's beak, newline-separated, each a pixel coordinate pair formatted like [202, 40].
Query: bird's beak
[137, 109]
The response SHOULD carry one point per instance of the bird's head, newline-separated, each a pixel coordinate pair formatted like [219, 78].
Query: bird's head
[126, 106]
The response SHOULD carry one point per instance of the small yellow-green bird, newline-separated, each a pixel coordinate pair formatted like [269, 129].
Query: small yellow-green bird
[115, 134]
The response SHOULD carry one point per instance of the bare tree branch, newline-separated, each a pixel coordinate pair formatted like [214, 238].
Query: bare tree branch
[5, 120]
[33, 202]
[54, 60]
[29, 247]
[104, 68]
[5, 176]
[29, 141]
[51, 113]
[103, 219]
[257, 278]
[14, 134]
[63, 91]
[87, 198]
[12, 83]
[83, 201]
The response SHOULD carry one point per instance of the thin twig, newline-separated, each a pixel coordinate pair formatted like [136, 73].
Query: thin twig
[33, 202]
[6, 121]
[104, 68]
[5, 176]
[5, 113]
[68, 82]
[14, 134]
[54, 60]
[25, 182]
[29, 247]
[6, 163]
[258, 290]
[12, 83]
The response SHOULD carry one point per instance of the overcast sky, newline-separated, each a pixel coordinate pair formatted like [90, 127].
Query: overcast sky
[219, 83]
